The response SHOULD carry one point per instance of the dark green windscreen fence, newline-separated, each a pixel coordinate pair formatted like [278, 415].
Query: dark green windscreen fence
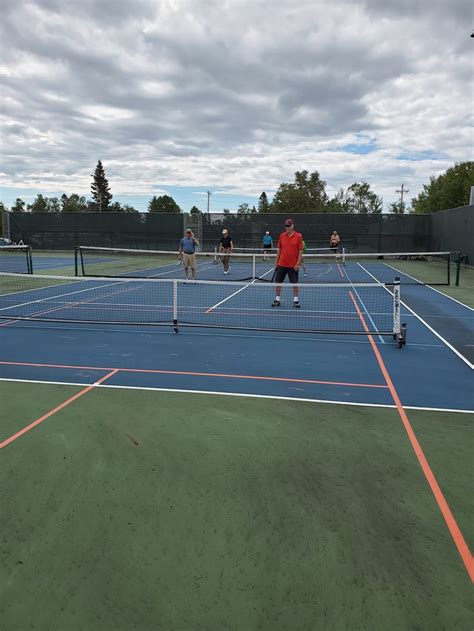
[359, 233]
[453, 230]
[450, 230]
[65, 231]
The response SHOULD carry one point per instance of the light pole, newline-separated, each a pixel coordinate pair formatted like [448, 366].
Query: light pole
[208, 198]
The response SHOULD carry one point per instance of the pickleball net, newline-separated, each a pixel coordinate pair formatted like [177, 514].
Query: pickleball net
[414, 268]
[16, 259]
[359, 308]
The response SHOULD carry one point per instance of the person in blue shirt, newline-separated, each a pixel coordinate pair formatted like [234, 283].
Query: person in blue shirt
[187, 248]
[267, 243]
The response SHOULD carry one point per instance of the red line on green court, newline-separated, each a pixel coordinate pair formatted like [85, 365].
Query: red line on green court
[199, 374]
[61, 406]
[451, 523]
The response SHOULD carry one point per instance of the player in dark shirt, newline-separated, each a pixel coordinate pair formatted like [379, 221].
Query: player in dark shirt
[225, 248]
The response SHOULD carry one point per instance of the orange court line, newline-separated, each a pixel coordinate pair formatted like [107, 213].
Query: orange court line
[201, 374]
[451, 523]
[56, 409]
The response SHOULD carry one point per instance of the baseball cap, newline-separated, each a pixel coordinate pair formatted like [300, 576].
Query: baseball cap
[267, 232]
[189, 230]
[224, 231]
[289, 222]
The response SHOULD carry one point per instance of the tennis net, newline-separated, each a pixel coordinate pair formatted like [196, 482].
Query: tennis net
[16, 259]
[414, 268]
[325, 308]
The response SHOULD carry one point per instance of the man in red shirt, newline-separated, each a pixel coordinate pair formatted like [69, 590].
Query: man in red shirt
[288, 260]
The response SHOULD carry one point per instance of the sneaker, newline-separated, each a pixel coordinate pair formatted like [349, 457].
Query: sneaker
[276, 303]
[225, 272]
[296, 305]
[305, 274]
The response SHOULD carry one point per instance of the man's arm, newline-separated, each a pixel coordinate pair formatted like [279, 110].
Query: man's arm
[231, 246]
[277, 258]
[300, 253]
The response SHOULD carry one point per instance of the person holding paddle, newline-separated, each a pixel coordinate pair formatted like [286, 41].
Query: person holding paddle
[288, 261]
[187, 248]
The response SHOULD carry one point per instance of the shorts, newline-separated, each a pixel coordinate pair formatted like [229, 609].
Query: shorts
[267, 247]
[281, 272]
[189, 260]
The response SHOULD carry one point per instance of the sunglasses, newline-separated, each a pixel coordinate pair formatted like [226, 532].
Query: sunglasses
[288, 225]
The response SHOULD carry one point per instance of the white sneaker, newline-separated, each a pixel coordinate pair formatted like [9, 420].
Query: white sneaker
[225, 272]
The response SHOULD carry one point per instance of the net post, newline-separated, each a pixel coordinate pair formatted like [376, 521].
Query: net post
[449, 268]
[396, 307]
[459, 260]
[343, 255]
[76, 270]
[29, 257]
[82, 261]
[254, 266]
[175, 306]
[399, 329]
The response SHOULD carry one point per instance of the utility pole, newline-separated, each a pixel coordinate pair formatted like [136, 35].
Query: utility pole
[402, 191]
[208, 198]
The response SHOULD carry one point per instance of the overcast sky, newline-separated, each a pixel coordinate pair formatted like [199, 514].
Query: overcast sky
[184, 96]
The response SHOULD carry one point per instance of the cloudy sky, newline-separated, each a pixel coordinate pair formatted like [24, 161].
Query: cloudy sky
[232, 96]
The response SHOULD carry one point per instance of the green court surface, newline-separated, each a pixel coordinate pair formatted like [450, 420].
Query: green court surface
[152, 510]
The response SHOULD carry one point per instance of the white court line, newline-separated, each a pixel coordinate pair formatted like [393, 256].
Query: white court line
[464, 359]
[430, 287]
[238, 291]
[236, 394]
[31, 302]
[365, 308]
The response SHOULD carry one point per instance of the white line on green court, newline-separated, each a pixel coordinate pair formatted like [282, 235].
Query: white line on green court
[234, 394]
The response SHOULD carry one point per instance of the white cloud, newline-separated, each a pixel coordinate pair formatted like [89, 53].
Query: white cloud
[237, 96]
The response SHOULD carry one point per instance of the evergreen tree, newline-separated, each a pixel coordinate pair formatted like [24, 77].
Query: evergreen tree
[100, 189]
[263, 205]
[39, 205]
[19, 206]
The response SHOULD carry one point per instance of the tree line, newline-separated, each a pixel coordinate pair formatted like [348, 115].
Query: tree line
[307, 194]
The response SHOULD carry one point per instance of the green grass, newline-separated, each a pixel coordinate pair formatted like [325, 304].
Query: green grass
[177, 511]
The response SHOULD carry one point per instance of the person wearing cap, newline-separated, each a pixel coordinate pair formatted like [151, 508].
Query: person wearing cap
[288, 260]
[334, 241]
[225, 248]
[267, 243]
[187, 249]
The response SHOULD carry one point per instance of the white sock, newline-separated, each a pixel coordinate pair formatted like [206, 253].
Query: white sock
[295, 299]
[277, 298]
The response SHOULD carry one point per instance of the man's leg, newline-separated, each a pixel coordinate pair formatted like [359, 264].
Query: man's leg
[293, 278]
[279, 277]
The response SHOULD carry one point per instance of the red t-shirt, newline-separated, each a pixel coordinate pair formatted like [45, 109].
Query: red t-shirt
[290, 247]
